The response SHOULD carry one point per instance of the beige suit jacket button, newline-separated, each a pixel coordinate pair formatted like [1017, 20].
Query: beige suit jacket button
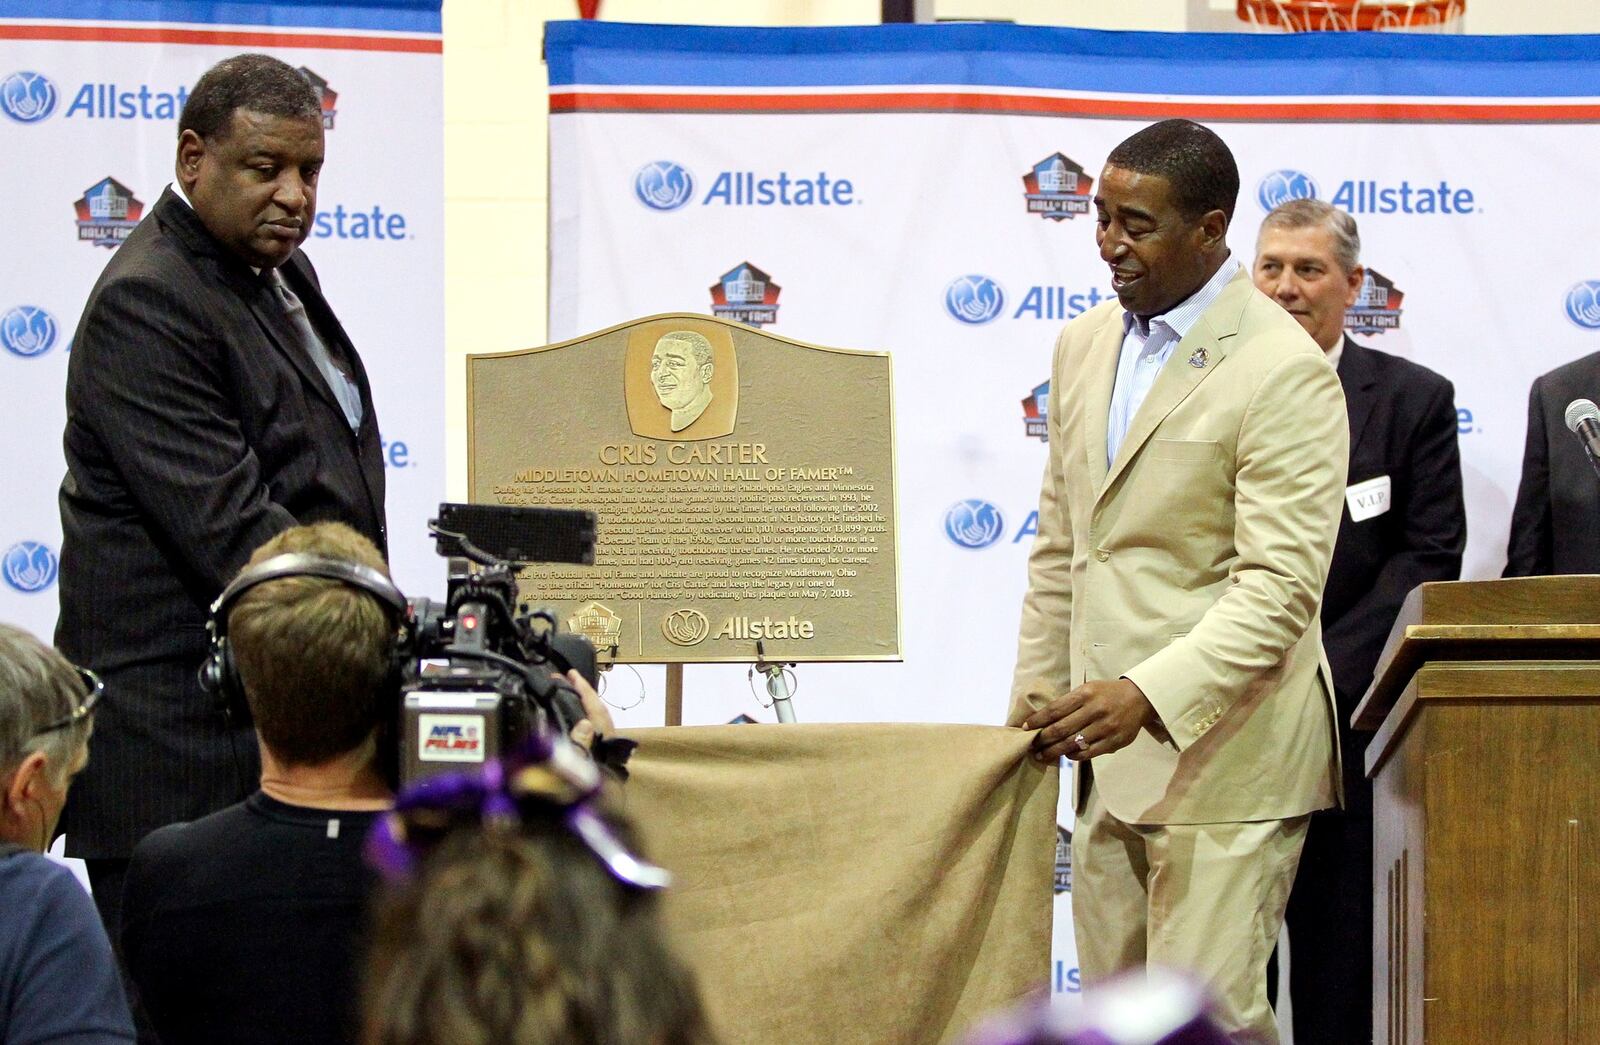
[1102, 554]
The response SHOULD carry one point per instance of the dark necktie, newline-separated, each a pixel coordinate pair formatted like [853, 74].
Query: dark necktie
[344, 389]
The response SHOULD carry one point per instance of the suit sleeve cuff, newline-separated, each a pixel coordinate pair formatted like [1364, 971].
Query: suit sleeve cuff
[1184, 719]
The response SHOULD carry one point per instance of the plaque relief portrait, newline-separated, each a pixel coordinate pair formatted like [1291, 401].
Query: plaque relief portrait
[681, 369]
[681, 381]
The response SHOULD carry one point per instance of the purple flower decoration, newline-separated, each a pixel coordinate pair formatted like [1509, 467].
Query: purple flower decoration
[553, 772]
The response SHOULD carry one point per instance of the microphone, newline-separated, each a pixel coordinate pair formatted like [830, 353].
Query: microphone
[1583, 420]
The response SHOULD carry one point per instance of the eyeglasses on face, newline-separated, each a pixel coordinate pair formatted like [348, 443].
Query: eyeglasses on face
[93, 690]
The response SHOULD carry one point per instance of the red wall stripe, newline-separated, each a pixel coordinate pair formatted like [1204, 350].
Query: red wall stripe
[965, 102]
[222, 37]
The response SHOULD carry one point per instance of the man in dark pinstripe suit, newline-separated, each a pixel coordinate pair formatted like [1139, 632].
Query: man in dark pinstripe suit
[213, 400]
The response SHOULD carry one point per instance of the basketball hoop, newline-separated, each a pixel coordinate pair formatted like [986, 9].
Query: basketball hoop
[1343, 16]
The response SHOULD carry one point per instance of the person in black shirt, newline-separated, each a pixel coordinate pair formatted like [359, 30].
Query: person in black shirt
[245, 926]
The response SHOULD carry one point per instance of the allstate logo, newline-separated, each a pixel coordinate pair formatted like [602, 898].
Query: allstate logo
[29, 566]
[685, 627]
[27, 97]
[974, 299]
[1583, 304]
[663, 185]
[28, 331]
[1280, 187]
[973, 523]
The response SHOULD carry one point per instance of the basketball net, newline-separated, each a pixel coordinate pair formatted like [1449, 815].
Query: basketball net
[1343, 16]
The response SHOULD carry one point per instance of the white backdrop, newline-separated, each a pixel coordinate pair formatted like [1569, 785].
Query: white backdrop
[83, 100]
[877, 175]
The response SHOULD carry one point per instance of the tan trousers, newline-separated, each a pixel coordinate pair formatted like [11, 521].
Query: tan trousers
[1206, 899]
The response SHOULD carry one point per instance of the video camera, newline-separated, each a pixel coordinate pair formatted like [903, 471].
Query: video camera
[476, 674]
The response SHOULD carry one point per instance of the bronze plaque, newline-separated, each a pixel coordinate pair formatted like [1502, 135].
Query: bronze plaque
[744, 484]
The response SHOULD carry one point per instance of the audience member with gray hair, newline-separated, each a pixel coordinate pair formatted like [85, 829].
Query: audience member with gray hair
[58, 979]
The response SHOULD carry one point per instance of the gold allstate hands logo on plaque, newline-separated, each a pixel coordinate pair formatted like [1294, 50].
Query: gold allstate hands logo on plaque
[685, 627]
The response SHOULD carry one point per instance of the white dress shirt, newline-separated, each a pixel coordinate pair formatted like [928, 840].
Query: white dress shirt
[1146, 347]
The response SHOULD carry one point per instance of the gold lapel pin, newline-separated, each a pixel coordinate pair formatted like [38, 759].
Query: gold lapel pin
[1198, 360]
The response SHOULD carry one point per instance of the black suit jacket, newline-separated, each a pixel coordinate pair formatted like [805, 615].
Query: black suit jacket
[1555, 526]
[1403, 425]
[197, 428]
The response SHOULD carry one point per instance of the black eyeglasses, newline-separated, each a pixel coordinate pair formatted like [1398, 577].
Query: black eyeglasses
[93, 690]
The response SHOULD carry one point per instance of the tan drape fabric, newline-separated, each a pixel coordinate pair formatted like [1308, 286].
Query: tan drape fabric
[851, 883]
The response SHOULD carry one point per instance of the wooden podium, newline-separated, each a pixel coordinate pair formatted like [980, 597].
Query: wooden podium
[1486, 815]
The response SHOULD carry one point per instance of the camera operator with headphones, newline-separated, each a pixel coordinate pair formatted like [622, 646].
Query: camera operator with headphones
[244, 926]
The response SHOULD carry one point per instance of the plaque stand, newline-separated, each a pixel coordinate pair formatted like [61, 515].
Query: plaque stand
[778, 689]
[674, 695]
[777, 684]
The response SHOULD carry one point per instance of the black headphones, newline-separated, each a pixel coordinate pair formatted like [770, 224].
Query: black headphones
[219, 675]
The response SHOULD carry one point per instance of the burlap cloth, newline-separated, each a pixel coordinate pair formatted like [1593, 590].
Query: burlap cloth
[851, 883]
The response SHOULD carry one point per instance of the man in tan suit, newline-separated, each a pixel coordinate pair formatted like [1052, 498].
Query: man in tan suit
[1170, 643]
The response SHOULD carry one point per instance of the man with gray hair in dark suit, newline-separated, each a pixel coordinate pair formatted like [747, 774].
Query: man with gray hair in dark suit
[213, 400]
[1404, 523]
